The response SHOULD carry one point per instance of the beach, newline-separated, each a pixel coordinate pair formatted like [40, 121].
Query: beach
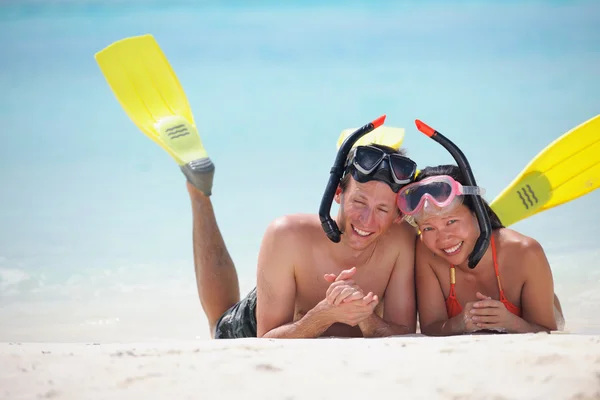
[528, 366]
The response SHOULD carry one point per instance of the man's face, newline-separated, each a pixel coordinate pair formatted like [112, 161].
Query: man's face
[367, 210]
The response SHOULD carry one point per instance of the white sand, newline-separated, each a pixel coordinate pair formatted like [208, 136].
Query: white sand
[557, 366]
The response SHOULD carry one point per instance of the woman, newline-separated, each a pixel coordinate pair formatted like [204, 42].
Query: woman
[510, 290]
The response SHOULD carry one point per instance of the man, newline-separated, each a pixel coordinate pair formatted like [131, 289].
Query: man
[307, 285]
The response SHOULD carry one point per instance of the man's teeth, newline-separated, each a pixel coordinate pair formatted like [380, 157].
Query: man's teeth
[361, 232]
[453, 248]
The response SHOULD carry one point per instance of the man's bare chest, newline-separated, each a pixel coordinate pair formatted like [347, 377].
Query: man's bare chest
[311, 285]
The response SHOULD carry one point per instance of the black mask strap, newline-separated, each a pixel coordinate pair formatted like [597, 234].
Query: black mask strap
[337, 171]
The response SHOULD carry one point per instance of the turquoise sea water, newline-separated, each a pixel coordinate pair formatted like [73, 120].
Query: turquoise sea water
[95, 223]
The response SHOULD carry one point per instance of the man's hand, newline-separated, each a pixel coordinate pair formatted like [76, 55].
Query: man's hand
[343, 289]
[348, 303]
[352, 312]
[343, 292]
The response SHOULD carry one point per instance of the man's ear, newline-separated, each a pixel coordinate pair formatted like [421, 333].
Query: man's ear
[338, 195]
[403, 218]
[399, 219]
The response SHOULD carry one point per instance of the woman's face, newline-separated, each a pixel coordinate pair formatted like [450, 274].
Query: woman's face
[450, 235]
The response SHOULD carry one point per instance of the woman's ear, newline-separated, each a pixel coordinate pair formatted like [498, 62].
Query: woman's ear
[476, 222]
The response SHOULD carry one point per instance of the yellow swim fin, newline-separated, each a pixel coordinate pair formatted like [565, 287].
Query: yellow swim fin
[565, 170]
[385, 135]
[147, 88]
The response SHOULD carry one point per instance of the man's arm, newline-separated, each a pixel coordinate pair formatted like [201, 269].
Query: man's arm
[276, 288]
[400, 310]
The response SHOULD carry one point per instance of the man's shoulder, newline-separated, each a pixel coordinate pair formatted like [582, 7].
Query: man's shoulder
[294, 225]
[286, 239]
[399, 244]
[403, 232]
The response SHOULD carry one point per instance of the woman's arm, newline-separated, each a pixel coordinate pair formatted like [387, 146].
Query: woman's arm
[433, 317]
[537, 295]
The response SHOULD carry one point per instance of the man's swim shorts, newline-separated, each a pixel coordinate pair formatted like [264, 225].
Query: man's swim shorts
[240, 320]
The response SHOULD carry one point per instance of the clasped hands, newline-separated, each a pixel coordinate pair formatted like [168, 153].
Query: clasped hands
[487, 314]
[346, 301]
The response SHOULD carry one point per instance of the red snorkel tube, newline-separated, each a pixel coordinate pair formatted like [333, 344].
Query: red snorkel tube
[337, 171]
[485, 226]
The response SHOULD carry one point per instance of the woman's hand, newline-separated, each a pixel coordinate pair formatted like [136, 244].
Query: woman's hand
[488, 313]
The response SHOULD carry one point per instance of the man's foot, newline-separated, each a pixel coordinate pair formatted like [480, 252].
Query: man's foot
[183, 140]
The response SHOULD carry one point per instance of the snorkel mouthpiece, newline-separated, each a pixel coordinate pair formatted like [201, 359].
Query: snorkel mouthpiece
[335, 175]
[485, 226]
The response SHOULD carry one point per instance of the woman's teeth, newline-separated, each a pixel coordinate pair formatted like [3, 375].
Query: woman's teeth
[453, 249]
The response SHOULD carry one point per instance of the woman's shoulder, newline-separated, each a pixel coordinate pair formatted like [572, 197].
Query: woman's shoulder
[424, 257]
[517, 244]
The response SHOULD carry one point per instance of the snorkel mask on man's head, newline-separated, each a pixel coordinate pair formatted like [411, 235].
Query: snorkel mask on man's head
[380, 163]
[363, 163]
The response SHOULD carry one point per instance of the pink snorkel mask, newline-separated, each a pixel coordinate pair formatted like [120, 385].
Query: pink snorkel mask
[483, 219]
[436, 194]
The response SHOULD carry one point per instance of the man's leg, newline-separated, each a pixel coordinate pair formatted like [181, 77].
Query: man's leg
[216, 277]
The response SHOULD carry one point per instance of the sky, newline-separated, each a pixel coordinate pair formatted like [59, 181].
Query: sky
[95, 222]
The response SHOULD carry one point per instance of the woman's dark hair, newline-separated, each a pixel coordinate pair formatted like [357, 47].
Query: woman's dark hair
[454, 172]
